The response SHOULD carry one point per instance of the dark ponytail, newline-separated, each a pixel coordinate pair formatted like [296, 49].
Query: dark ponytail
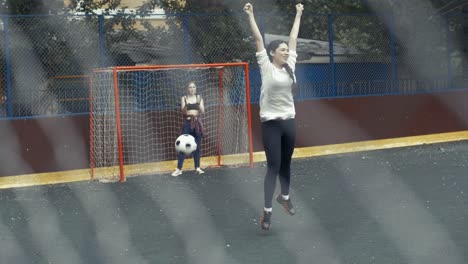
[291, 75]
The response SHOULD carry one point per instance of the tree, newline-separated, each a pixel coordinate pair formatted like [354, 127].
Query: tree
[54, 38]
[420, 29]
[118, 26]
[218, 31]
[15, 7]
[60, 45]
[211, 28]
[226, 25]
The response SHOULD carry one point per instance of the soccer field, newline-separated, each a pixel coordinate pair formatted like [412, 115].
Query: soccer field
[401, 205]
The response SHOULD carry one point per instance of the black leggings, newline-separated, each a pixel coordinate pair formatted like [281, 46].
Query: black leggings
[279, 137]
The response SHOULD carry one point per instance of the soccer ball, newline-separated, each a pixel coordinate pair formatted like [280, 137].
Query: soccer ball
[185, 144]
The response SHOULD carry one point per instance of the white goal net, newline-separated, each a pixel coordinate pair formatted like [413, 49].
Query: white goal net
[136, 116]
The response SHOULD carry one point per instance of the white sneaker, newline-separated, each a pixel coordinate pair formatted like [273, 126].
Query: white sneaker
[176, 173]
[199, 171]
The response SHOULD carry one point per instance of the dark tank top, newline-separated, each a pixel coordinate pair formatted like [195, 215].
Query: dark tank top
[195, 106]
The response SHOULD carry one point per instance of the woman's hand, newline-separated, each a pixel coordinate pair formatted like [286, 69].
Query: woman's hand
[248, 8]
[299, 8]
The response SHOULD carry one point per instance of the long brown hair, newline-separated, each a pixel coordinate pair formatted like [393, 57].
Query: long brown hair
[272, 46]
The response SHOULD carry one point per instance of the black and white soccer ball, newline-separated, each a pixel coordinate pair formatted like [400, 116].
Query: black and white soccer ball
[185, 144]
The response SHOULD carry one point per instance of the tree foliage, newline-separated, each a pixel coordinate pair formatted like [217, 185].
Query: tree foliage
[210, 32]
[17, 7]
[61, 44]
[225, 34]
[53, 43]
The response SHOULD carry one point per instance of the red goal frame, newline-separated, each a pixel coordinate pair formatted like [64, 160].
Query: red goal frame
[118, 123]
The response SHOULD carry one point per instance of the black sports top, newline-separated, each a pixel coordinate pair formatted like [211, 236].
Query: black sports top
[195, 106]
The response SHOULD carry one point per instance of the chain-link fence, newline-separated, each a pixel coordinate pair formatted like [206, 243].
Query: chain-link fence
[46, 60]
[456, 57]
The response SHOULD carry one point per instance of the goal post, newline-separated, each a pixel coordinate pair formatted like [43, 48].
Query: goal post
[135, 117]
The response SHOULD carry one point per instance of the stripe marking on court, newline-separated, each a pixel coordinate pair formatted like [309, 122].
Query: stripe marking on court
[167, 166]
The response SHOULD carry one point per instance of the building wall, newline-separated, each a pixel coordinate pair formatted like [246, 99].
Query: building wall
[127, 3]
[158, 20]
[29, 147]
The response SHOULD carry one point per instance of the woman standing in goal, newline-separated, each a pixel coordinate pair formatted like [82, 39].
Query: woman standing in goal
[277, 111]
[192, 107]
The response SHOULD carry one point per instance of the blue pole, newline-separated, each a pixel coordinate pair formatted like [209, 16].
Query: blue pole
[261, 27]
[449, 54]
[332, 54]
[8, 67]
[101, 41]
[188, 51]
[394, 57]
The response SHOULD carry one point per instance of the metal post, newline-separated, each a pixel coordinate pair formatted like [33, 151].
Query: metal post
[449, 54]
[395, 89]
[9, 98]
[332, 54]
[101, 41]
[188, 51]
[261, 27]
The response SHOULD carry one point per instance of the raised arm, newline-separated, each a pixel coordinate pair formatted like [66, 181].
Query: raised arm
[295, 27]
[248, 8]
